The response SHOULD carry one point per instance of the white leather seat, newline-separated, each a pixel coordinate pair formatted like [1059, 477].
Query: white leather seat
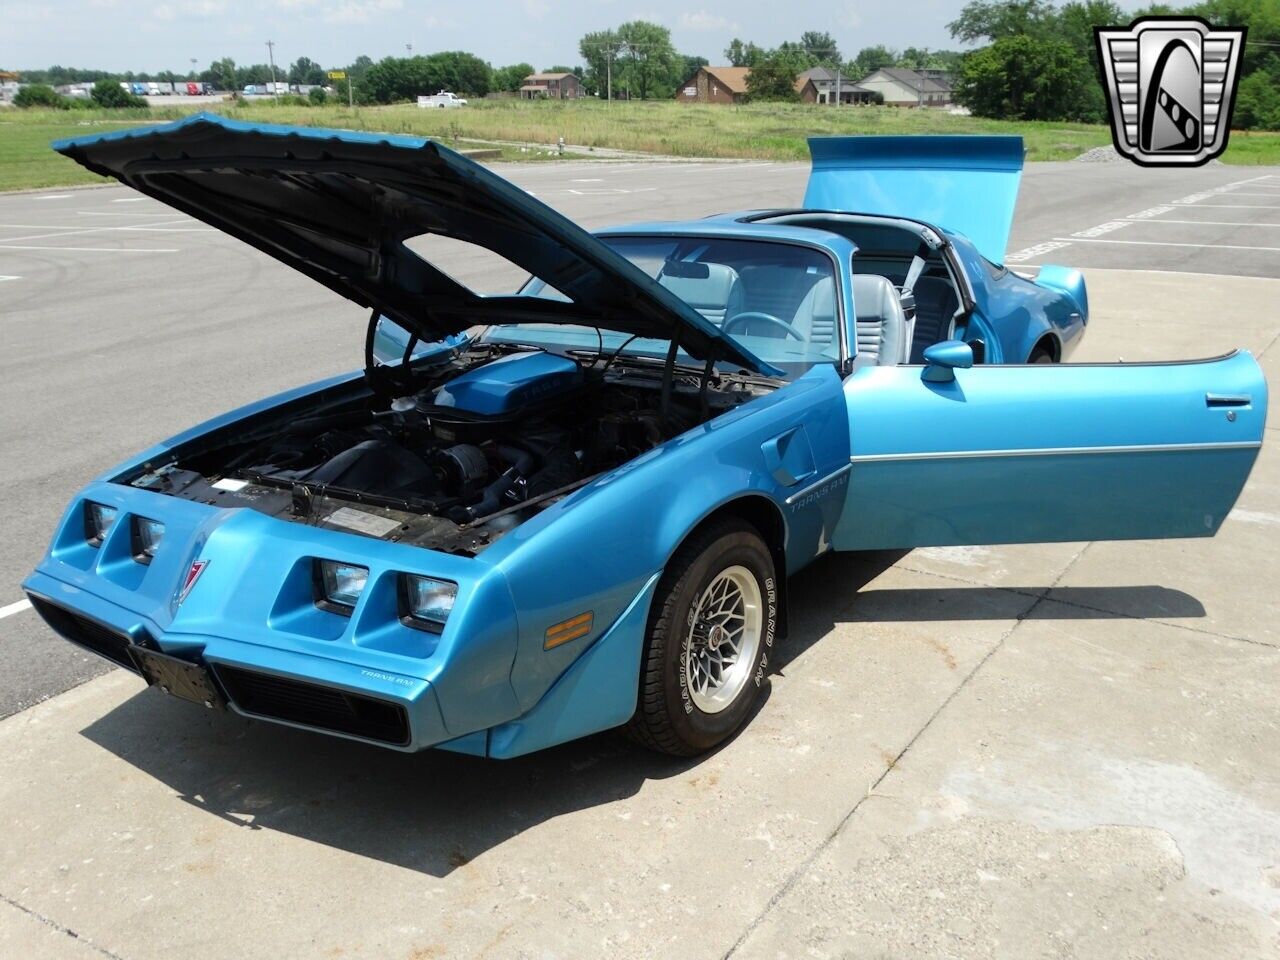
[883, 331]
[815, 318]
[712, 289]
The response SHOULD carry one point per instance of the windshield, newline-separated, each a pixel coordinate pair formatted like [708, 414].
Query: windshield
[778, 300]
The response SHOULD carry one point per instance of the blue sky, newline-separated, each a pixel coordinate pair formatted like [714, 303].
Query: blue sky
[165, 34]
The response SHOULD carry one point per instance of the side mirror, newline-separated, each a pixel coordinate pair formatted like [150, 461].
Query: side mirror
[942, 360]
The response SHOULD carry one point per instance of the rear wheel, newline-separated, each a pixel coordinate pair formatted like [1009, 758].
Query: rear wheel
[709, 637]
[1041, 355]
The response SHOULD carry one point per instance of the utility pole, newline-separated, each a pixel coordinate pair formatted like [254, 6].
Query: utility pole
[193, 68]
[271, 56]
[409, 49]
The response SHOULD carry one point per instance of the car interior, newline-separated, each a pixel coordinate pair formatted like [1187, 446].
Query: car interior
[888, 249]
[750, 300]
[903, 291]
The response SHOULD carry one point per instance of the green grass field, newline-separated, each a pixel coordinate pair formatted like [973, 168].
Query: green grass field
[766, 131]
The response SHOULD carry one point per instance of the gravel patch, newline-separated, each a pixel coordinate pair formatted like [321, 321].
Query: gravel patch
[1109, 154]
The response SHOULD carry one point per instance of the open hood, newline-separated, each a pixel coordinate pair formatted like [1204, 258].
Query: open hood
[338, 206]
[964, 184]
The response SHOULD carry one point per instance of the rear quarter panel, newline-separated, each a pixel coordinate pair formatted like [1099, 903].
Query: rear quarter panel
[1020, 313]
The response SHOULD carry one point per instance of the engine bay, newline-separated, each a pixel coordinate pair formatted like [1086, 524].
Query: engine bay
[459, 455]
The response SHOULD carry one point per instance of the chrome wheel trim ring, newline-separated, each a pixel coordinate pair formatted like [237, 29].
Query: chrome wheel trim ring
[725, 627]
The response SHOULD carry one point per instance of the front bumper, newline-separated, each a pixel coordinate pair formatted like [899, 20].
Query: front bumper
[252, 622]
[313, 693]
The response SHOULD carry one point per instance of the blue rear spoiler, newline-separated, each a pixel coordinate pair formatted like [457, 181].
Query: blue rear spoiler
[963, 184]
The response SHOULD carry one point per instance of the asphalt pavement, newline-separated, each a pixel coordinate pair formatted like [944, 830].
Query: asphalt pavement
[1065, 750]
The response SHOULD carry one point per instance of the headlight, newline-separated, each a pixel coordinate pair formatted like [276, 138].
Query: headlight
[426, 603]
[97, 522]
[339, 585]
[146, 537]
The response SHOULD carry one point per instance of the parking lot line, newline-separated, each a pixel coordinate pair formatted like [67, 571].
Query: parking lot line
[80, 231]
[1201, 223]
[1038, 249]
[1166, 243]
[1231, 206]
[124, 213]
[14, 246]
[13, 608]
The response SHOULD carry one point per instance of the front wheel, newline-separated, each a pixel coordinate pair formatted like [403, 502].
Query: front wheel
[710, 634]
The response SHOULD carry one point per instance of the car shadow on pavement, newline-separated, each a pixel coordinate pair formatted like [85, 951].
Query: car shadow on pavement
[831, 592]
[433, 812]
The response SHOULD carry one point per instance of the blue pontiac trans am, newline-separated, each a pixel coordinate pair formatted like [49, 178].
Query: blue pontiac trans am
[534, 516]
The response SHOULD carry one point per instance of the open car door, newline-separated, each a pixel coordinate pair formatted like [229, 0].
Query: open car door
[948, 454]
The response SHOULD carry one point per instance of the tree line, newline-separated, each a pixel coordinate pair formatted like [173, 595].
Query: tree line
[774, 70]
[1036, 61]
[1040, 61]
[382, 81]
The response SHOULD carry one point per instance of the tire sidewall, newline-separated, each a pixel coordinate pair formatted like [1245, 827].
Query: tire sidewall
[693, 726]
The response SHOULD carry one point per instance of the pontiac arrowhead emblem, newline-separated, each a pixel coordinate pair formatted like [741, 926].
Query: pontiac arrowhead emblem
[197, 568]
[1171, 83]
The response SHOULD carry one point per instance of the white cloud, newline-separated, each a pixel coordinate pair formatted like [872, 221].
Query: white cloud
[702, 20]
[851, 18]
[360, 11]
[536, 9]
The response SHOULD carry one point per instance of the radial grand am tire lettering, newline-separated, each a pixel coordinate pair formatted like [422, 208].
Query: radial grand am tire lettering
[709, 639]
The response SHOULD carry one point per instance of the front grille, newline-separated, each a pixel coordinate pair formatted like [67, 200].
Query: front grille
[80, 630]
[313, 705]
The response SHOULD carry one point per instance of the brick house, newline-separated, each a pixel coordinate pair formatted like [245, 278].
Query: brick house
[715, 85]
[551, 86]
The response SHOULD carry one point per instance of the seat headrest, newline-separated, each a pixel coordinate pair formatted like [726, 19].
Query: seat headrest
[701, 285]
[875, 298]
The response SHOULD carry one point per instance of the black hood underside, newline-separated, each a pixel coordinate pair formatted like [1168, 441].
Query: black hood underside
[338, 206]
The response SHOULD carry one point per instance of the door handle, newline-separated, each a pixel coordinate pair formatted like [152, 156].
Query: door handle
[1227, 399]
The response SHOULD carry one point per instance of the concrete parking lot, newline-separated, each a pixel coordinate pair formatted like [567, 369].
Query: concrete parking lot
[1069, 750]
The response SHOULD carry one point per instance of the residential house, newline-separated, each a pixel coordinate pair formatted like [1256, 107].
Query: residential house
[551, 86]
[825, 86]
[715, 85]
[901, 87]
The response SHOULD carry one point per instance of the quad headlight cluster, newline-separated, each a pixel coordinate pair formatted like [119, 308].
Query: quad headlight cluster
[144, 535]
[424, 602]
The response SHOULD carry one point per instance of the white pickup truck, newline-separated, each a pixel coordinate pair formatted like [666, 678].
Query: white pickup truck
[444, 99]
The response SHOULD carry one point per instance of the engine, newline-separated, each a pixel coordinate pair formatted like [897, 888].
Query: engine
[501, 433]
[451, 457]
